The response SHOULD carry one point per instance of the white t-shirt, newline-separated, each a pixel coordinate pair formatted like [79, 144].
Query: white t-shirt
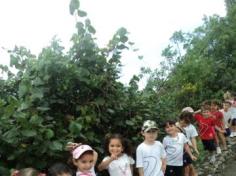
[149, 158]
[233, 112]
[91, 172]
[120, 166]
[190, 132]
[227, 115]
[174, 147]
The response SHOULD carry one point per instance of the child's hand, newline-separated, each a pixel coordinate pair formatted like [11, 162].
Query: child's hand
[114, 157]
[194, 158]
[70, 146]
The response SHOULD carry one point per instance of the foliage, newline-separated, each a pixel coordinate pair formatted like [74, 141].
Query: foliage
[61, 96]
[199, 65]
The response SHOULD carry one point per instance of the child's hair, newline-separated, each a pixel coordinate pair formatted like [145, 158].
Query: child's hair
[169, 123]
[206, 105]
[26, 172]
[186, 116]
[59, 169]
[216, 102]
[125, 143]
[227, 102]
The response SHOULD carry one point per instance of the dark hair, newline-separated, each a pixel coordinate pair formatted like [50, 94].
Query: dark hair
[187, 117]
[125, 143]
[59, 168]
[216, 102]
[169, 122]
[206, 105]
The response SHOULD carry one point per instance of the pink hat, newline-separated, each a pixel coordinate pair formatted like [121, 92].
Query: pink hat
[188, 109]
[80, 150]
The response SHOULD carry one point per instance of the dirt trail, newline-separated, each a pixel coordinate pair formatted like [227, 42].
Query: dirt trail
[230, 170]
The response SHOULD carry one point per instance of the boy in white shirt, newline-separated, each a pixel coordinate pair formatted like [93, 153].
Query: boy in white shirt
[150, 154]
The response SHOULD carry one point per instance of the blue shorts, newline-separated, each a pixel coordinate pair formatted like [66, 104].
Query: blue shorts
[227, 132]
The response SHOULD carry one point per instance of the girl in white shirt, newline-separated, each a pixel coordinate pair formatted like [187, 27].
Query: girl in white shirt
[174, 144]
[119, 161]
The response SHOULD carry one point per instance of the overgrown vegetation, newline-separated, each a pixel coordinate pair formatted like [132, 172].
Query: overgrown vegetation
[61, 96]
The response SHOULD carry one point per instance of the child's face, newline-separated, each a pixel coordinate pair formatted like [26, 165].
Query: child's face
[115, 147]
[171, 129]
[85, 163]
[150, 135]
[183, 123]
[214, 107]
[206, 113]
[226, 106]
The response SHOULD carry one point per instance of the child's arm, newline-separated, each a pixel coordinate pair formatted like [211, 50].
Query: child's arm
[163, 167]
[140, 171]
[187, 149]
[104, 164]
[194, 143]
[132, 169]
[219, 129]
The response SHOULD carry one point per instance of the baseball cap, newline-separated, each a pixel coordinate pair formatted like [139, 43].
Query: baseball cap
[188, 109]
[149, 124]
[80, 150]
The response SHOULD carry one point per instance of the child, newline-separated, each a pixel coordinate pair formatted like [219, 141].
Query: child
[174, 144]
[84, 159]
[27, 172]
[59, 169]
[150, 155]
[233, 115]
[227, 116]
[206, 125]
[119, 163]
[220, 126]
[191, 134]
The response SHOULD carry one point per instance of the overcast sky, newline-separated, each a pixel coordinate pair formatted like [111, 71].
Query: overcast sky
[33, 23]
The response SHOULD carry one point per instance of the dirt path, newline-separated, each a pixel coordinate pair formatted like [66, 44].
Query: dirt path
[230, 170]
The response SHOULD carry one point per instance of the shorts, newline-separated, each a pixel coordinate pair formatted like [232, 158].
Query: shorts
[174, 171]
[232, 122]
[227, 132]
[209, 144]
[187, 159]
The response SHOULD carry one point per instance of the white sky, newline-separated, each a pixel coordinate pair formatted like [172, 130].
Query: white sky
[33, 23]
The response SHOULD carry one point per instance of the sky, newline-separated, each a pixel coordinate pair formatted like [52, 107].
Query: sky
[33, 23]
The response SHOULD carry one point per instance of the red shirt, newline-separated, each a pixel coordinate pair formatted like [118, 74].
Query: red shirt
[219, 118]
[206, 126]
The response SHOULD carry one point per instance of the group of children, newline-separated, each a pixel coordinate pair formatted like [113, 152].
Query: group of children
[171, 157]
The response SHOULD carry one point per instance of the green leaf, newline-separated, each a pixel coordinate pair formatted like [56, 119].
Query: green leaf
[75, 127]
[49, 134]
[23, 89]
[111, 111]
[29, 133]
[82, 13]
[56, 146]
[91, 29]
[74, 5]
[37, 120]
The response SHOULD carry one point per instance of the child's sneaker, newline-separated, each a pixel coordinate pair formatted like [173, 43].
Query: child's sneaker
[218, 150]
[232, 134]
[213, 159]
